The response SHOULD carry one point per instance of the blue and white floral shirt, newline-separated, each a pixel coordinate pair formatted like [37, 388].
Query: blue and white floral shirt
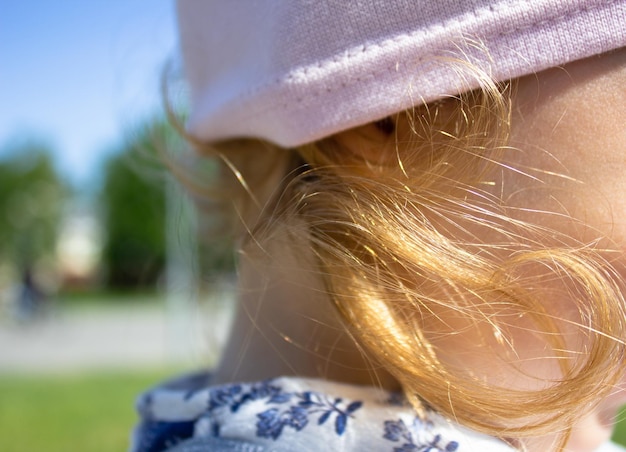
[293, 414]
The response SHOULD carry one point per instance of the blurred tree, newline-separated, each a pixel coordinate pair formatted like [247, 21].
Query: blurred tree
[32, 197]
[138, 193]
[133, 201]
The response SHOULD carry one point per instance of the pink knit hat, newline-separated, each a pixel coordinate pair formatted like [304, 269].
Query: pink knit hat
[293, 71]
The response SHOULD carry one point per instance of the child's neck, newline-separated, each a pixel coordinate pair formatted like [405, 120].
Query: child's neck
[286, 326]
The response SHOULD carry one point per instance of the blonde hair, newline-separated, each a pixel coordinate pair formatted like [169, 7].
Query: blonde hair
[398, 233]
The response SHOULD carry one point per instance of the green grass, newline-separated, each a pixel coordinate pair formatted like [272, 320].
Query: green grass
[108, 298]
[619, 434]
[87, 412]
[91, 412]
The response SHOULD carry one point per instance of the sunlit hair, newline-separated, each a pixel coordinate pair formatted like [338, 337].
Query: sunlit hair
[417, 242]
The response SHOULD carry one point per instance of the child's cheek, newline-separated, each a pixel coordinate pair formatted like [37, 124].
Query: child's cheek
[570, 128]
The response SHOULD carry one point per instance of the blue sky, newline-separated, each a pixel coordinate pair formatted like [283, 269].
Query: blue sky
[78, 73]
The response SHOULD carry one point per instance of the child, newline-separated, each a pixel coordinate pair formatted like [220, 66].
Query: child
[431, 215]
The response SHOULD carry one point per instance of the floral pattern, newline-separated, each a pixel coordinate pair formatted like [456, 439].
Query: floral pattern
[397, 431]
[234, 396]
[321, 415]
[272, 421]
[299, 407]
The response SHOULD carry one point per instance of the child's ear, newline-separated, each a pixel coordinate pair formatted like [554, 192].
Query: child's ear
[386, 125]
[370, 142]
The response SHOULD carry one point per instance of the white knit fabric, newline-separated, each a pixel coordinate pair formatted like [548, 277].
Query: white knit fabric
[293, 71]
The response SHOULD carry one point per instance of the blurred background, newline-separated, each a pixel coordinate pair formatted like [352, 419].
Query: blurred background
[106, 286]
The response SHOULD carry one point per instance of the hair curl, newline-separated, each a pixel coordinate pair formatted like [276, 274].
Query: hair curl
[398, 230]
